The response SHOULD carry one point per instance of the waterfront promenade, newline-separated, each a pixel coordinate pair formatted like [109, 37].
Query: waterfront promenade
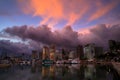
[116, 66]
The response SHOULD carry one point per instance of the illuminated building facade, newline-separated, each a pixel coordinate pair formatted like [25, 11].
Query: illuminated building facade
[89, 51]
[71, 55]
[45, 54]
[52, 52]
[58, 55]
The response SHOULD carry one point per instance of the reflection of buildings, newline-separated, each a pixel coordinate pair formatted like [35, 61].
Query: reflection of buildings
[45, 54]
[48, 71]
[58, 71]
[79, 51]
[89, 51]
[100, 73]
[90, 72]
[45, 71]
[52, 71]
[81, 72]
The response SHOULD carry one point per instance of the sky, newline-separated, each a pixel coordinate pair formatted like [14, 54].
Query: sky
[60, 21]
[59, 13]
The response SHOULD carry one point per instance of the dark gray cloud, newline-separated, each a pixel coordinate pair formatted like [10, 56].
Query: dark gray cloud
[65, 37]
[104, 32]
[6, 46]
[100, 34]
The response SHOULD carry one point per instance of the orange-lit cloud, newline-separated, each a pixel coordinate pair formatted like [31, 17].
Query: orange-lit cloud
[56, 10]
[84, 31]
[99, 34]
[53, 11]
[49, 10]
[102, 10]
[73, 17]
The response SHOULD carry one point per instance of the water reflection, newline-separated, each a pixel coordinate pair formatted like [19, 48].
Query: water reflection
[60, 72]
[90, 72]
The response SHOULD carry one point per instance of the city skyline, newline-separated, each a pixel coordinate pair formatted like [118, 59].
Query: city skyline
[35, 23]
[59, 39]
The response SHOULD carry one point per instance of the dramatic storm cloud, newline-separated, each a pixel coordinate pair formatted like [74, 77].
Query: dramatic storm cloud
[65, 37]
[100, 34]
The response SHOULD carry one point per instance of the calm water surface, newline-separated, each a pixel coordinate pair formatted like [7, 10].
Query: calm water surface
[60, 72]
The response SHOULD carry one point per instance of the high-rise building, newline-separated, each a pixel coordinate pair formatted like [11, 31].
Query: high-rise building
[114, 45]
[118, 45]
[79, 51]
[65, 54]
[45, 54]
[98, 51]
[58, 55]
[52, 52]
[71, 55]
[34, 54]
[40, 55]
[89, 51]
